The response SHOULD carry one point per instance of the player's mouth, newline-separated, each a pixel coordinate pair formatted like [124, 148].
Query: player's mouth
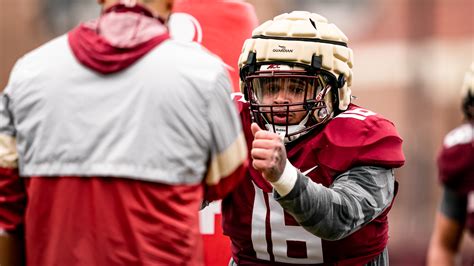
[281, 117]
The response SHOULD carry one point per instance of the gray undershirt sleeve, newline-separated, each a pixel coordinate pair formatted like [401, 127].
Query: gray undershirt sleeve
[355, 198]
[453, 205]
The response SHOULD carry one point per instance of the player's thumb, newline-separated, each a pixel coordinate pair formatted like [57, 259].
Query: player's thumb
[255, 128]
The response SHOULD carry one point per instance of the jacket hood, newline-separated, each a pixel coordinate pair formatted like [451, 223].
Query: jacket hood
[117, 39]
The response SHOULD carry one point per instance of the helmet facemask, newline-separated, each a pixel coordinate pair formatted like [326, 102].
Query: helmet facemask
[290, 100]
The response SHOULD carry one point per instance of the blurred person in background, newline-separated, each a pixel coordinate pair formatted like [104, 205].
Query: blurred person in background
[456, 174]
[322, 181]
[223, 34]
[111, 136]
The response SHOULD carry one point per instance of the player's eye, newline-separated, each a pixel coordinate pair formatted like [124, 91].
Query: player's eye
[297, 90]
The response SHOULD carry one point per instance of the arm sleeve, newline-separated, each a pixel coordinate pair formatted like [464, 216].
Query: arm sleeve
[454, 205]
[12, 192]
[228, 155]
[354, 199]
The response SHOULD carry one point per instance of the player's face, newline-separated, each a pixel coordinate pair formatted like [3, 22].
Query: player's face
[284, 92]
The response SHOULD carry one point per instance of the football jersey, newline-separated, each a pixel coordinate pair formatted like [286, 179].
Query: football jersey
[456, 166]
[263, 233]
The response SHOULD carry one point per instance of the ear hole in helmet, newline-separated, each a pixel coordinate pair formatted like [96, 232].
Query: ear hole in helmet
[341, 81]
[335, 94]
[316, 62]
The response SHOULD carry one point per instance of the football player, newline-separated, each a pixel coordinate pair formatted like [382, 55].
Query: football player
[322, 181]
[456, 174]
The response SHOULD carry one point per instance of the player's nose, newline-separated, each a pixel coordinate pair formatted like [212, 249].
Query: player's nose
[281, 97]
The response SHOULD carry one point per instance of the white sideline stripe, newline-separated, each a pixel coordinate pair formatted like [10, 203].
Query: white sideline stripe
[345, 115]
[358, 112]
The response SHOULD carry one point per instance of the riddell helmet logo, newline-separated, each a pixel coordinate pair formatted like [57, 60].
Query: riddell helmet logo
[282, 49]
[272, 66]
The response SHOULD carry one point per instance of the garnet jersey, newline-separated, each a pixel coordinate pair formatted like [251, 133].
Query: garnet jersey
[456, 167]
[263, 233]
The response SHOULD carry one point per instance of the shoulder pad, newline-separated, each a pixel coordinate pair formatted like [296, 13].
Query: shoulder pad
[460, 135]
[363, 127]
[455, 167]
[362, 137]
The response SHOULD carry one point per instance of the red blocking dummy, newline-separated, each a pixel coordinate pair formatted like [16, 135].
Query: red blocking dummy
[221, 26]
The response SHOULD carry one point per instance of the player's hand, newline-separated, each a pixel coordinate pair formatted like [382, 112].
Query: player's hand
[268, 153]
